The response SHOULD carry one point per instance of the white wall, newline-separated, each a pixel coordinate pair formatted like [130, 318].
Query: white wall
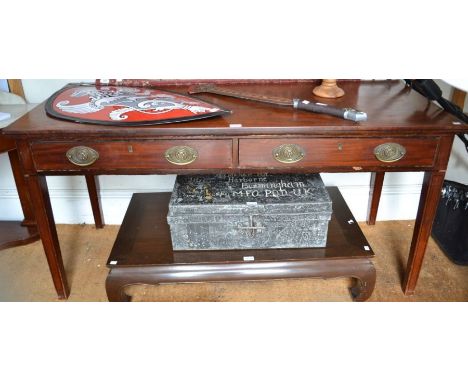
[37, 91]
[70, 201]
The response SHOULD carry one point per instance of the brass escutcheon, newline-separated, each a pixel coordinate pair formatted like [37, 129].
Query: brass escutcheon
[288, 153]
[389, 152]
[181, 155]
[82, 156]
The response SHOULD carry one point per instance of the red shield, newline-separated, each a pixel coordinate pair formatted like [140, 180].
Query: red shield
[126, 106]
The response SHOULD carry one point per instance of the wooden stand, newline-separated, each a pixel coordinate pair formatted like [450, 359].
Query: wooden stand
[142, 254]
[328, 89]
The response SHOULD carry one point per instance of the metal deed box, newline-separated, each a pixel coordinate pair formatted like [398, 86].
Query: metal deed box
[213, 212]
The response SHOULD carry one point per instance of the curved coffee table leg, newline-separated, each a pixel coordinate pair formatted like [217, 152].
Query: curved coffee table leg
[364, 283]
[115, 286]
[361, 269]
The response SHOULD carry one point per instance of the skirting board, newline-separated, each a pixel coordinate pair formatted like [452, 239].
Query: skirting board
[398, 202]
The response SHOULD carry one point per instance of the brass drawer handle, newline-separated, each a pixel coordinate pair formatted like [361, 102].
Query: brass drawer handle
[288, 153]
[181, 155]
[82, 156]
[389, 152]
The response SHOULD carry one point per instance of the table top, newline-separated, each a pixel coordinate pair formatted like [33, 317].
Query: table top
[392, 108]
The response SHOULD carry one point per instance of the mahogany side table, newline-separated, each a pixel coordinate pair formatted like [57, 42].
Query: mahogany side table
[404, 132]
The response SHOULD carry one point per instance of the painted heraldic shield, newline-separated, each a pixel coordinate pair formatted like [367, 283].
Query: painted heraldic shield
[126, 106]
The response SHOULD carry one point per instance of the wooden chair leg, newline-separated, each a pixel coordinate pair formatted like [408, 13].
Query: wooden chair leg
[92, 183]
[376, 183]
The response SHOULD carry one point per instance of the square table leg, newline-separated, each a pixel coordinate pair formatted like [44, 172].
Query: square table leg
[376, 184]
[93, 188]
[22, 189]
[430, 195]
[39, 193]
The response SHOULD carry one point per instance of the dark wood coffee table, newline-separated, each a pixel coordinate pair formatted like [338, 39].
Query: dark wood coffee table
[142, 254]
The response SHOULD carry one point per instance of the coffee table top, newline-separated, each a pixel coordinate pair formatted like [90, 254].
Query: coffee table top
[144, 238]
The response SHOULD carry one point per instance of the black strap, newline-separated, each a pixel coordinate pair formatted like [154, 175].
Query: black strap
[430, 90]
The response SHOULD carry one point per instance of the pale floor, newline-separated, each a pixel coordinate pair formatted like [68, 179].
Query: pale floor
[24, 274]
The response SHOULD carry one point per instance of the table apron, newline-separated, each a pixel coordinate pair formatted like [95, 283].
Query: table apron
[250, 154]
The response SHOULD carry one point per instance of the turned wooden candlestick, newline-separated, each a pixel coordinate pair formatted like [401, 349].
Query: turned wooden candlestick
[328, 89]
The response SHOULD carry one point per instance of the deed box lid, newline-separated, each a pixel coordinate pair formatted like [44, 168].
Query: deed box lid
[249, 194]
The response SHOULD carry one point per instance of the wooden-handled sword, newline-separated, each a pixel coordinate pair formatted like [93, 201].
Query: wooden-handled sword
[315, 107]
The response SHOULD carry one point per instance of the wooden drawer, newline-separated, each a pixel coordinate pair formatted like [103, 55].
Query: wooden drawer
[336, 153]
[134, 155]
